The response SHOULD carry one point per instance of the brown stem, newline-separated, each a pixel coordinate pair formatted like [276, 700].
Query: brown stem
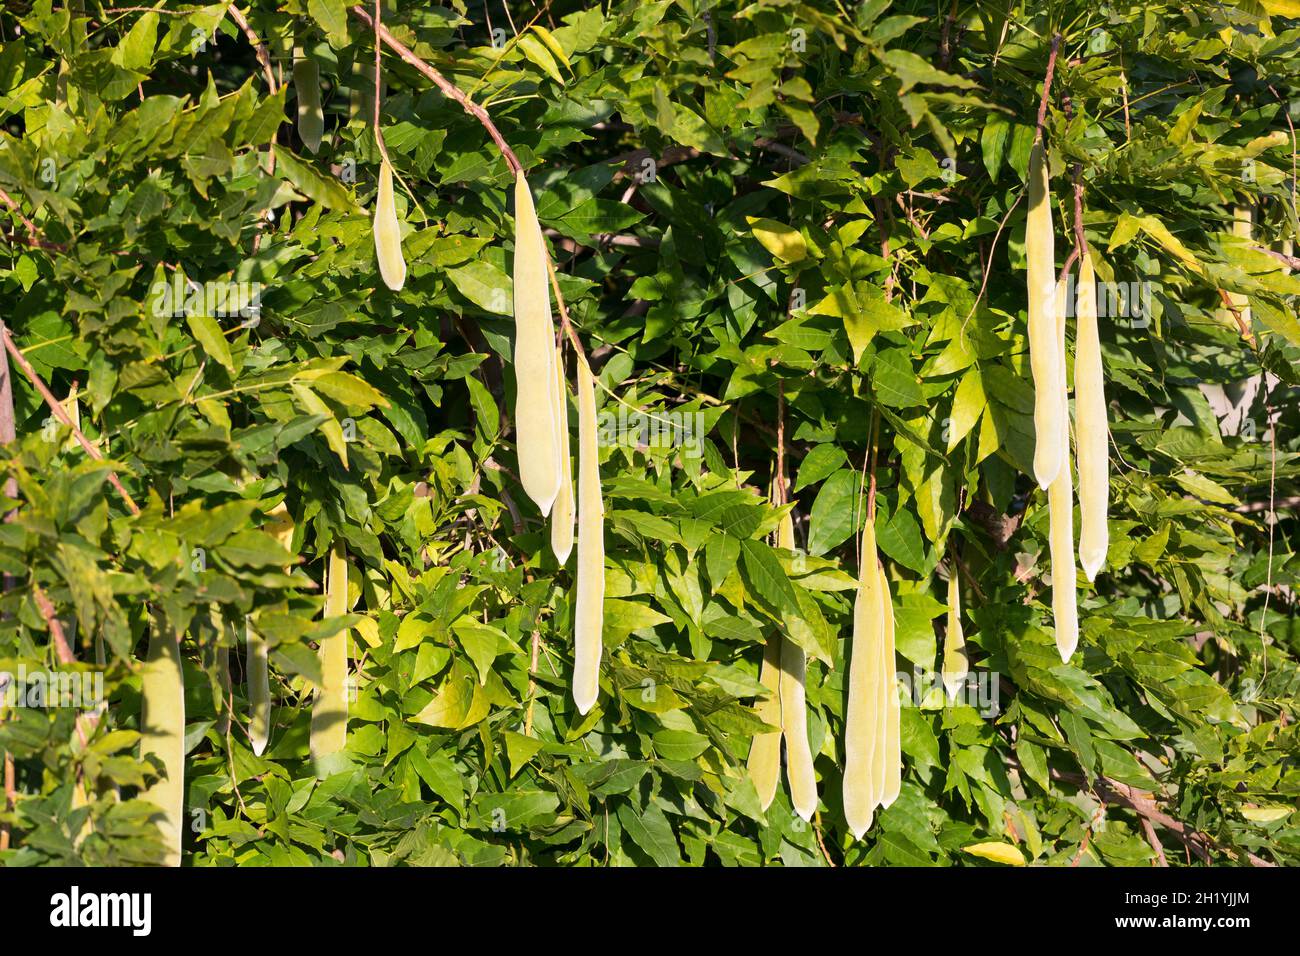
[62, 415]
[1238, 318]
[1080, 241]
[1047, 88]
[447, 87]
[871, 476]
[1149, 829]
[778, 482]
[62, 649]
[1291, 262]
[479, 113]
[27, 223]
[259, 48]
[1144, 805]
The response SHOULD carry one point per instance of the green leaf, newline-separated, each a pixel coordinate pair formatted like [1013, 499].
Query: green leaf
[328, 192]
[650, 830]
[209, 335]
[332, 16]
[838, 503]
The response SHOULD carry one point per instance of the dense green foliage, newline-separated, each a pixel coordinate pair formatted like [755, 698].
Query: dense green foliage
[743, 200]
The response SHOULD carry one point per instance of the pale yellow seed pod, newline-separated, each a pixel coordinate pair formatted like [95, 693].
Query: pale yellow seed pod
[892, 746]
[589, 612]
[1060, 517]
[764, 764]
[794, 707]
[258, 684]
[1044, 353]
[955, 664]
[306, 86]
[388, 232]
[562, 510]
[329, 710]
[536, 413]
[223, 681]
[880, 711]
[1242, 229]
[1092, 446]
[162, 733]
[257, 671]
[860, 796]
[799, 771]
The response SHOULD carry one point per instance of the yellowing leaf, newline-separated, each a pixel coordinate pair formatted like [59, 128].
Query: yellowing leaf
[997, 852]
[1158, 231]
[779, 239]
[1281, 8]
[536, 51]
[1265, 814]
[552, 43]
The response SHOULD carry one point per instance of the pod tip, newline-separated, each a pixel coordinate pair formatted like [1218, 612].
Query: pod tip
[952, 683]
[1066, 648]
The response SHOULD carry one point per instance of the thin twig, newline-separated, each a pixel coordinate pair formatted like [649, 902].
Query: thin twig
[62, 415]
[988, 265]
[30, 226]
[1144, 804]
[1047, 88]
[259, 48]
[447, 87]
[62, 649]
[1150, 830]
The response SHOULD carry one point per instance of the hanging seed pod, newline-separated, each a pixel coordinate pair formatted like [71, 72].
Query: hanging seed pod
[1092, 449]
[388, 232]
[223, 680]
[794, 707]
[329, 710]
[880, 711]
[306, 86]
[860, 795]
[258, 683]
[562, 510]
[536, 413]
[589, 613]
[1060, 518]
[892, 744]
[764, 763]
[162, 732]
[1044, 352]
[955, 665]
[794, 728]
[1242, 229]
[257, 673]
